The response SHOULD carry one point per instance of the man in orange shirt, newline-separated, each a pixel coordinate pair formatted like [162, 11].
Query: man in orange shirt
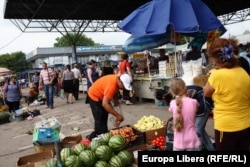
[101, 94]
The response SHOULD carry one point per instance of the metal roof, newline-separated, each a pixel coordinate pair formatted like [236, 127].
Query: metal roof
[91, 15]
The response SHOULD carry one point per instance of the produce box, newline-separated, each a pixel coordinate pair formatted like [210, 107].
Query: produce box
[70, 141]
[150, 135]
[48, 147]
[134, 150]
[136, 138]
[33, 160]
[46, 135]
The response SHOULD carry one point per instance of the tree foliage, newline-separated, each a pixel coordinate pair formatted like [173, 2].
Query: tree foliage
[75, 39]
[16, 62]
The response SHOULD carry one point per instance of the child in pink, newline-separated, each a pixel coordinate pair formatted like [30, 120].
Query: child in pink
[184, 111]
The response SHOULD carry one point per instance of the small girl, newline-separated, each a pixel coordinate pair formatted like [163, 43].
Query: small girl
[184, 111]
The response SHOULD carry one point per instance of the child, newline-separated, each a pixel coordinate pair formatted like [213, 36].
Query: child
[32, 94]
[184, 111]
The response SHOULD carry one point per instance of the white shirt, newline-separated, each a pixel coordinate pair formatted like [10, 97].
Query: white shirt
[77, 73]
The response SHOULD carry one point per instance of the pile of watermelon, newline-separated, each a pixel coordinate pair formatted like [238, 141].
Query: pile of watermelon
[105, 152]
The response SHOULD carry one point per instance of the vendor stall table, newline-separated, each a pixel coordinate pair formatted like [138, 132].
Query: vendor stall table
[145, 87]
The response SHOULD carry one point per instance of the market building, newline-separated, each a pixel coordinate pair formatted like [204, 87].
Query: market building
[63, 55]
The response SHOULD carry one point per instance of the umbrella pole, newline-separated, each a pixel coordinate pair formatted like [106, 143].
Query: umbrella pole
[148, 64]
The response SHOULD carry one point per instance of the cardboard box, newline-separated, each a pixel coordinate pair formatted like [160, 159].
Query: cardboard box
[134, 150]
[49, 147]
[70, 141]
[33, 160]
[150, 135]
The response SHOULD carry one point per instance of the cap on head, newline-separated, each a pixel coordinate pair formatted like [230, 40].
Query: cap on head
[126, 80]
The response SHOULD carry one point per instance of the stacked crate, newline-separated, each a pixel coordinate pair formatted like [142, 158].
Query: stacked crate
[167, 69]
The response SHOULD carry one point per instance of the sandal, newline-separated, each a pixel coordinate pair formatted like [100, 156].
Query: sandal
[129, 103]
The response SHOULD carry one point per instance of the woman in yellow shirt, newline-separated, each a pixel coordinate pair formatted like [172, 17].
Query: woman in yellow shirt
[229, 87]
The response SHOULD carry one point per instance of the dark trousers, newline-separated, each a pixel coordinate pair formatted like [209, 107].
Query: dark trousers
[37, 87]
[101, 118]
[232, 141]
[76, 89]
[126, 94]
[13, 106]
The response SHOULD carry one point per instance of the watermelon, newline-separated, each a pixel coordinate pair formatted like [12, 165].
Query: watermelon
[116, 161]
[104, 153]
[106, 137]
[101, 164]
[88, 158]
[51, 163]
[94, 144]
[78, 148]
[72, 161]
[117, 142]
[66, 152]
[126, 156]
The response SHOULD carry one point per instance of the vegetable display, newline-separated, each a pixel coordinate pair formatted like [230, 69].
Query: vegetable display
[148, 123]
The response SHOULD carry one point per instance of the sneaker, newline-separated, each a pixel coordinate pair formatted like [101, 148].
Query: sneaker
[13, 117]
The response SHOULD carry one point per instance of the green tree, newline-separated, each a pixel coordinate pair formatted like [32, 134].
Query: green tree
[73, 39]
[16, 62]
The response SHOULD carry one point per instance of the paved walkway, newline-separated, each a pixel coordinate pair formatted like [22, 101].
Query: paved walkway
[15, 142]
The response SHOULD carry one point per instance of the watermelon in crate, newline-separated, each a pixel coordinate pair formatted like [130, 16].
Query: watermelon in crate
[132, 136]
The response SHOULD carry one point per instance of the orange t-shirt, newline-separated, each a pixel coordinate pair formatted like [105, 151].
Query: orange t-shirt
[104, 86]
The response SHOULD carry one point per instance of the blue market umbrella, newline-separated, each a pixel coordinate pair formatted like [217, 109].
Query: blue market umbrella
[141, 43]
[159, 16]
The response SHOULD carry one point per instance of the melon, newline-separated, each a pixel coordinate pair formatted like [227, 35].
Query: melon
[117, 142]
[94, 144]
[104, 152]
[72, 161]
[126, 156]
[101, 164]
[106, 137]
[78, 148]
[66, 152]
[116, 161]
[51, 163]
[88, 158]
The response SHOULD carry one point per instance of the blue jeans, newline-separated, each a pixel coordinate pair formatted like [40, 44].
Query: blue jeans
[200, 124]
[198, 148]
[49, 93]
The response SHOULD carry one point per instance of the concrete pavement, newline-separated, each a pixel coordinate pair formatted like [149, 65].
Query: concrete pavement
[15, 142]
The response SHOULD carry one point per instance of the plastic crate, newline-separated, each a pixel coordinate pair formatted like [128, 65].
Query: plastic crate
[140, 138]
[46, 135]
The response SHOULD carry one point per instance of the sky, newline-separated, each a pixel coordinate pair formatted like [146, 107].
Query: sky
[13, 40]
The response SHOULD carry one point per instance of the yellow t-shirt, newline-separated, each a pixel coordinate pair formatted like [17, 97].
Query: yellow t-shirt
[231, 99]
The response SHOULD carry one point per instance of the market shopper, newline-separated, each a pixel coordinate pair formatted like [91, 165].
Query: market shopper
[106, 69]
[229, 87]
[67, 81]
[101, 95]
[184, 111]
[78, 80]
[12, 94]
[45, 83]
[202, 115]
[91, 75]
[125, 68]
[35, 80]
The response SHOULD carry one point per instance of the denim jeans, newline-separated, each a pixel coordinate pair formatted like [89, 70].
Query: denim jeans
[49, 93]
[200, 124]
[198, 148]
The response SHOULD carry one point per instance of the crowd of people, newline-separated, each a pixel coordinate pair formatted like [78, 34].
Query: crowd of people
[226, 95]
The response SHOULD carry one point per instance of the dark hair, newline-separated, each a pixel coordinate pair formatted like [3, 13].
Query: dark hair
[92, 62]
[124, 56]
[215, 51]
[164, 94]
[68, 67]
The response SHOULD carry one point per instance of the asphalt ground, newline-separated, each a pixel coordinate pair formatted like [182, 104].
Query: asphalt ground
[15, 142]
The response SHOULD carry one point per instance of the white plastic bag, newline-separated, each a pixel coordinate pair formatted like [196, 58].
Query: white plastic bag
[62, 94]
